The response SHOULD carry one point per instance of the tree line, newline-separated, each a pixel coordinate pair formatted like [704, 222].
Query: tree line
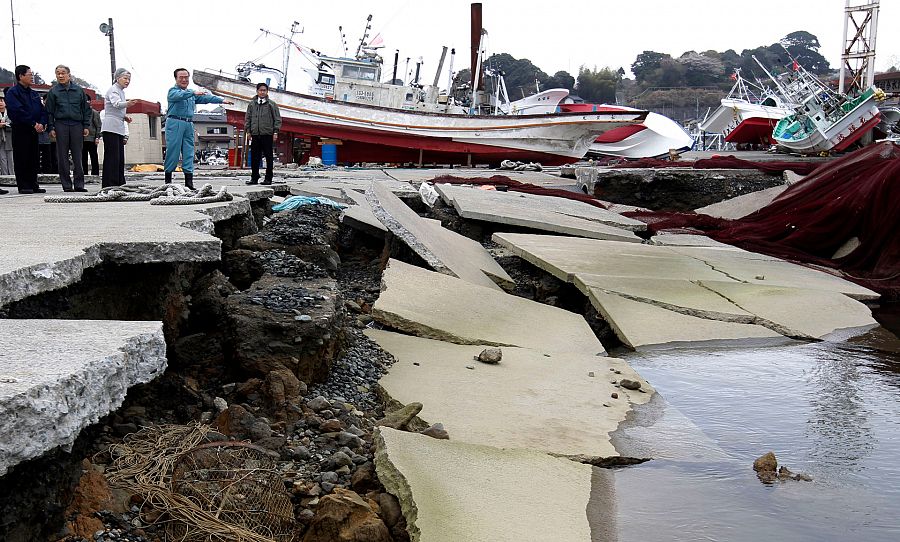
[693, 79]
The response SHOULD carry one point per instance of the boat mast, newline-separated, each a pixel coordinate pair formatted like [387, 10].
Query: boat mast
[288, 42]
[362, 40]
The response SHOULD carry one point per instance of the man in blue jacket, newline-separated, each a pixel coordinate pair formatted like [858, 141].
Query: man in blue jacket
[180, 125]
[29, 118]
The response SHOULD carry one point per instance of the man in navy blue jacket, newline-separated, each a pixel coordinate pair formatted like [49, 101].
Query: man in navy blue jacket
[29, 118]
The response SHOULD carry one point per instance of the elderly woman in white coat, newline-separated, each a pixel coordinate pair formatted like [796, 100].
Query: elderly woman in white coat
[114, 130]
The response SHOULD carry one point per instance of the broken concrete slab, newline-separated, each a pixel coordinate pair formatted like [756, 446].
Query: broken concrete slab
[170, 233]
[564, 257]
[573, 208]
[459, 492]
[686, 240]
[359, 215]
[741, 206]
[510, 209]
[682, 296]
[744, 266]
[438, 306]
[560, 404]
[445, 251]
[59, 376]
[643, 326]
[804, 312]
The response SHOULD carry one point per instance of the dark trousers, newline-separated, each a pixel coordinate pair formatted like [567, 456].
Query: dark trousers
[89, 149]
[113, 159]
[69, 139]
[26, 156]
[260, 145]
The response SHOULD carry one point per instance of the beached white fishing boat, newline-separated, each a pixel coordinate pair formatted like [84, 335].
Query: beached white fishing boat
[748, 114]
[373, 133]
[823, 120]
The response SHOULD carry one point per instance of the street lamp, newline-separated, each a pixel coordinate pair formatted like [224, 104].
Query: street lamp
[107, 30]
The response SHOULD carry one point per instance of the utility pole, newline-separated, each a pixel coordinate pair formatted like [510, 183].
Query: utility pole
[107, 29]
[12, 16]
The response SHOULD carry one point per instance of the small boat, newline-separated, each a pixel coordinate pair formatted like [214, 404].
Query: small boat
[748, 114]
[823, 120]
[656, 136]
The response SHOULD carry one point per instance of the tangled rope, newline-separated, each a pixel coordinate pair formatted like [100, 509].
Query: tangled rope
[167, 194]
[521, 166]
[146, 464]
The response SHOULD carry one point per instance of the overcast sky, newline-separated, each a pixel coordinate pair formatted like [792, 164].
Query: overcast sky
[153, 39]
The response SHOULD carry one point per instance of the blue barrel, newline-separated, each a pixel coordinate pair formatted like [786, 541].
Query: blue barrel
[329, 155]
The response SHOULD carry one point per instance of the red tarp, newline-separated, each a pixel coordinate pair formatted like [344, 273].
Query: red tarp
[516, 186]
[857, 195]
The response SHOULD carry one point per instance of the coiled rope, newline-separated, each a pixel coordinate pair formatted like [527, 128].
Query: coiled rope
[167, 194]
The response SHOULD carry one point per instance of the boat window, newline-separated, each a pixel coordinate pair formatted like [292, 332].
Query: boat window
[326, 78]
[358, 72]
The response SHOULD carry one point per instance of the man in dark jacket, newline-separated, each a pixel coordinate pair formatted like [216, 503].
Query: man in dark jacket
[29, 118]
[262, 121]
[70, 117]
[89, 148]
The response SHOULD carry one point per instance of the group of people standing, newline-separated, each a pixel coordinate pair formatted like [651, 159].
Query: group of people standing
[67, 116]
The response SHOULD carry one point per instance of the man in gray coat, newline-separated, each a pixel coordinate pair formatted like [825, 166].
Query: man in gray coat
[70, 116]
[262, 121]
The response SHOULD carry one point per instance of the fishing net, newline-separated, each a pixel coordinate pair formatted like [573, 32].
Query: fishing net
[201, 491]
[854, 197]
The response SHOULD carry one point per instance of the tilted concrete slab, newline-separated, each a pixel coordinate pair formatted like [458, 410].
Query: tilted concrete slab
[804, 312]
[654, 295]
[574, 208]
[444, 250]
[511, 209]
[55, 243]
[360, 215]
[59, 376]
[559, 404]
[687, 240]
[754, 268]
[438, 306]
[681, 296]
[564, 257]
[642, 325]
[742, 206]
[459, 492]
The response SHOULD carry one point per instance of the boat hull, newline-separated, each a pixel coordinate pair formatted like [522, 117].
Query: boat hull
[840, 135]
[550, 138]
[656, 136]
[740, 121]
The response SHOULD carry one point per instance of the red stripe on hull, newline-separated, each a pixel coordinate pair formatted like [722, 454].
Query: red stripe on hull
[391, 147]
[871, 123]
[753, 130]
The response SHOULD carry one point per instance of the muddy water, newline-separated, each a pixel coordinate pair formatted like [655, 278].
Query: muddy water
[831, 410]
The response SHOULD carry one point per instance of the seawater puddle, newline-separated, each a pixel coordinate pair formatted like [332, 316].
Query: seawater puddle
[830, 410]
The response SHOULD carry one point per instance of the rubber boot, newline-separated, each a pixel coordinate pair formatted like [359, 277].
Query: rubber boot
[189, 180]
[168, 177]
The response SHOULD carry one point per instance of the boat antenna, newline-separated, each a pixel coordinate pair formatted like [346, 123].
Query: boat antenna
[343, 39]
[12, 17]
[781, 89]
[288, 42]
[362, 40]
[396, 59]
